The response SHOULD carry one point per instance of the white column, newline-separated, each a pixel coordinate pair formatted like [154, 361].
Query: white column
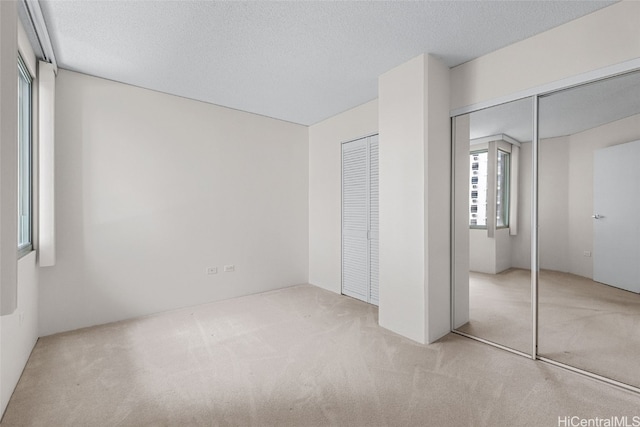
[438, 200]
[414, 199]
[46, 157]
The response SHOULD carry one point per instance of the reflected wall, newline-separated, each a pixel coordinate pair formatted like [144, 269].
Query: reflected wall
[573, 197]
[589, 239]
[492, 216]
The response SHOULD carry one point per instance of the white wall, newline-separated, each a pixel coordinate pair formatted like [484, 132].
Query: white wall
[414, 199]
[553, 203]
[580, 200]
[437, 200]
[325, 191]
[521, 243]
[402, 199]
[600, 39]
[552, 206]
[503, 249]
[460, 224]
[565, 202]
[490, 255]
[152, 189]
[19, 329]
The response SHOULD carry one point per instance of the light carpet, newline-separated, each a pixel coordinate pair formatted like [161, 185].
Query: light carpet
[299, 356]
[582, 323]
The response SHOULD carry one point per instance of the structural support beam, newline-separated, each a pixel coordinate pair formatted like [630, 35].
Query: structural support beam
[415, 199]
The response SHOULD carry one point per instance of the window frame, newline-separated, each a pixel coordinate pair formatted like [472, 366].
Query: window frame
[476, 226]
[24, 75]
[506, 192]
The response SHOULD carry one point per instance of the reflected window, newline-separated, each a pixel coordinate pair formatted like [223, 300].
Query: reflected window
[478, 189]
[479, 185]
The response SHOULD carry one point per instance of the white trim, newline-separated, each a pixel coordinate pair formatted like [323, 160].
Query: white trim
[493, 344]
[40, 27]
[369, 135]
[606, 380]
[592, 375]
[577, 80]
[26, 51]
[535, 258]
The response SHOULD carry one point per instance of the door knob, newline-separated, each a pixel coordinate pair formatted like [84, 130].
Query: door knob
[596, 216]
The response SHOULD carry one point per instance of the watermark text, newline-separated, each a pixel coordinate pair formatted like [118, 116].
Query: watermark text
[614, 421]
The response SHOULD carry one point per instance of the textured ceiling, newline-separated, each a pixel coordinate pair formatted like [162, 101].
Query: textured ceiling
[562, 113]
[588, 106]
[299, 61]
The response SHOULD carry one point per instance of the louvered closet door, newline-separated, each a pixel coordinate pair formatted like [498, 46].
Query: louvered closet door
[355, 211]
[359, 196]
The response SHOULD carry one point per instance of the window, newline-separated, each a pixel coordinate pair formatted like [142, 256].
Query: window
[24, 160]
[479, 174]
[478, 196]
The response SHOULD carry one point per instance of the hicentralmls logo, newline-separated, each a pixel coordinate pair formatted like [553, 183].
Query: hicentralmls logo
[621, 421]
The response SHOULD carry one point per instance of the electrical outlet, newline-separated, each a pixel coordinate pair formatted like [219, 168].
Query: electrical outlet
[212, 270]
[587, 253]
[229, 268]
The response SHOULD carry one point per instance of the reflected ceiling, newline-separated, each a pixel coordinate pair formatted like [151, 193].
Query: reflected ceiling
[563, 113]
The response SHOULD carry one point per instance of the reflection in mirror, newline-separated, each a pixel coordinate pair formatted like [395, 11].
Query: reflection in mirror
[589, 233]
[492, 215]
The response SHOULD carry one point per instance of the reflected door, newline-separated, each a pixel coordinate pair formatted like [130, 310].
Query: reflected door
[616, 227]
[588, 166]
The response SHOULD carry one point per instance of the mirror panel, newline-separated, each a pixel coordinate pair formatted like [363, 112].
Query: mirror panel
[492, 216]
[589, 232]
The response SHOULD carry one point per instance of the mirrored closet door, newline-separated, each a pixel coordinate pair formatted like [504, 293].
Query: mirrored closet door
[589, 227]
[546, 235]
[492, 217]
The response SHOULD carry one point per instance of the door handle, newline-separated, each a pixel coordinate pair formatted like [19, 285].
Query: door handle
[596, 216]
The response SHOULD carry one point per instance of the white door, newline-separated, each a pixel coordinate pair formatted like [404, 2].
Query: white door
[616, 222]
[360, 219]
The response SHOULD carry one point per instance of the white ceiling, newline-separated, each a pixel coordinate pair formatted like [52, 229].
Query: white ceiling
[301, 61]
[585, 107]
[562, 113]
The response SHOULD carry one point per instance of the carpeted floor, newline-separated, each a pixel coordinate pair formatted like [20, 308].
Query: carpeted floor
[581, 322]
[299, 356]
[500, 308]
